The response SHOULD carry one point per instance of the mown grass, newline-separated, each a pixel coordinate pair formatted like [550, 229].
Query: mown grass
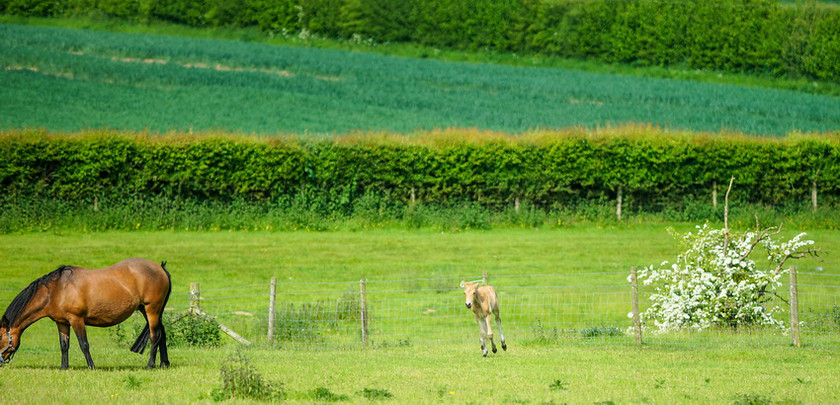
[447, 374]
[90, 79]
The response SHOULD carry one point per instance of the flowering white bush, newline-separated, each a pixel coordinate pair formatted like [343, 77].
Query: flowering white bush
[716, 282]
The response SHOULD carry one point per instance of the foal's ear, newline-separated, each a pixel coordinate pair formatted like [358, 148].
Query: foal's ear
[462, 283]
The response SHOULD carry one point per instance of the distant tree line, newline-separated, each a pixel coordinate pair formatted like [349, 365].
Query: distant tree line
[538, 169]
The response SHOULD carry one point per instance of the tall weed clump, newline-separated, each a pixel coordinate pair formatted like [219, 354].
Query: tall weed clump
[241, 380]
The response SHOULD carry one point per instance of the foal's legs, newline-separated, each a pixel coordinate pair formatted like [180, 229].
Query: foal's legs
[81, 335]
[482, 324]
[501, 334]
[488, 322]
[64, 343]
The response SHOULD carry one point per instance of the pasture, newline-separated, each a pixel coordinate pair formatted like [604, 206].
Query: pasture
[86, 79]
[420, 371]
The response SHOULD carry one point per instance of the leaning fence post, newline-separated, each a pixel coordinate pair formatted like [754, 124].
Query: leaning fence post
[272, 296]
[195, 297]
[363, 311]
[794, 309]
[484, 278]
[637, 322]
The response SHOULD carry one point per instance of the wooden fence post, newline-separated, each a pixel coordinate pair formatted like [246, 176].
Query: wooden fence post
[637, 320]
[484, 278]
[794, 309]
[714, 195]
[195, 297]
[619, 200]
[363, 311]
[272, 297]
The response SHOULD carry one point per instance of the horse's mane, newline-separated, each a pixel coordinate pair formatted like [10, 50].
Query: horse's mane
[19, 303]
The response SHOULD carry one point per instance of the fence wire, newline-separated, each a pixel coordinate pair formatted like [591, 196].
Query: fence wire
[432, 311]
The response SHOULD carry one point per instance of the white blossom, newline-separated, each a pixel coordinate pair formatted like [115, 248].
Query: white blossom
[711, 284]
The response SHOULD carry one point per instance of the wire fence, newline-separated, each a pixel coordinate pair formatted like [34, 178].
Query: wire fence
[554, 308]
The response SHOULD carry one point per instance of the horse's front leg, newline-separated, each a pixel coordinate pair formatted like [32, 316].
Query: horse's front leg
[483, 329]
[488, 322]
[64, 344]
[81, 336]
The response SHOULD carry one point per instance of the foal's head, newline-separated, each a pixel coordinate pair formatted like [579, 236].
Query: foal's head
[471, 292]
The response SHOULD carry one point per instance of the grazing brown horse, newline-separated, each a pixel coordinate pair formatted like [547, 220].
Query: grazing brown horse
[74, 297]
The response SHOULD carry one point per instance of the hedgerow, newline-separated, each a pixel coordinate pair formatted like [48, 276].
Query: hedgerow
[729, 35]
[652, 169]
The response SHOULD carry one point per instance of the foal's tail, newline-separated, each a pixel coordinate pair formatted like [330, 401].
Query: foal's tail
[139, 345]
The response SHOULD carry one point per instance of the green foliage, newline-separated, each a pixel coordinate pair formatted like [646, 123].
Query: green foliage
[601, 331]
[192, 330]
[559, 385]
[422, 181]
[376, 393]
[322, 394]
[132, 382]
[743, 36]
[241, 380]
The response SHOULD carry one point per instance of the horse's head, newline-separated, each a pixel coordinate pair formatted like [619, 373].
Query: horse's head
[471, 292]
[8, 345]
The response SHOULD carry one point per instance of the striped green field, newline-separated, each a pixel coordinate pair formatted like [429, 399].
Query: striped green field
[67, 79]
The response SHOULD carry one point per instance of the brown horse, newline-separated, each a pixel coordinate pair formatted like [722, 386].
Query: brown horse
[76, 297]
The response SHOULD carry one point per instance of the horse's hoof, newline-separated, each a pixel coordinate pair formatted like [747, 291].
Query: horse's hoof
[484, 355]
[504, 347]
[494, 349]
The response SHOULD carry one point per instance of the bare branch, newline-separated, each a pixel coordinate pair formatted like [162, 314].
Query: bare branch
[726, 216]
[815, 253]
[762, 235]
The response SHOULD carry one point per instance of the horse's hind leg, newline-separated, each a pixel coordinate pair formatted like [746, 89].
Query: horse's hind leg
[156, 336]
[64, 344]
[164, 355]
[501, 334]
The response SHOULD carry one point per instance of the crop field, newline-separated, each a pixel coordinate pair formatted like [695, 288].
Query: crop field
[65, 79]
[411, 267]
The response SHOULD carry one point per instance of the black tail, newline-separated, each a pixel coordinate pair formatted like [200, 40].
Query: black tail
[139, 345]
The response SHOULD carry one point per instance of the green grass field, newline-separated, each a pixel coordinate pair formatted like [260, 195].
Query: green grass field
[576, 374]
[531, 371]
[88, 79]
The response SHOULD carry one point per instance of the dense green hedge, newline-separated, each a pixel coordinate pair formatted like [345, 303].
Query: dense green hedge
[653, 170]
[732, 35]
